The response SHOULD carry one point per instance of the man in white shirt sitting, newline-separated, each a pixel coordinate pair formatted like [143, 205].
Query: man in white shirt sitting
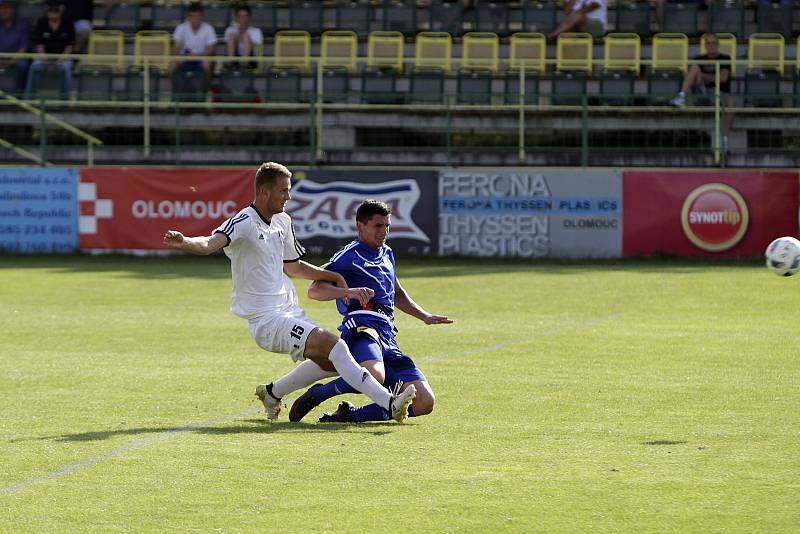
[194, 38]
[588, 16]
[241, 39]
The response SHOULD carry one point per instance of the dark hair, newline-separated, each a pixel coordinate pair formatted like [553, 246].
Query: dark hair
[194, 7]
[242, 7]
[709, 35]
[371, 207]
[269, 172]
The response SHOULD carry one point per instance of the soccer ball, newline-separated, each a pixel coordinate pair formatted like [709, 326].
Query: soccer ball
[783, 256]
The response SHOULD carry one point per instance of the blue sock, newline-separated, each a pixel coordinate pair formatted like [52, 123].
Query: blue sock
[333, 388]
[411, 411]
[370, 412]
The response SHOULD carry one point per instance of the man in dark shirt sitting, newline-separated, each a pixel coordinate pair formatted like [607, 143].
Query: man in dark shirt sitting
[14, 37]
[52, 34]
[701, 79]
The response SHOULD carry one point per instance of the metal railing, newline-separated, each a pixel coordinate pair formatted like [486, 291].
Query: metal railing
[315, 104]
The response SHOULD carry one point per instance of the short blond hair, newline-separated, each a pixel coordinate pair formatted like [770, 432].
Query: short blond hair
[269, 172]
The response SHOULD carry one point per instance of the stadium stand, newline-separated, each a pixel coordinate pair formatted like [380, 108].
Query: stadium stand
[122, 17]
[391, 52]
[622, 52]
[519, 89]
[574, 52]
[433, 50]
[633, 17]
[474, 86]
[528, 51]
[107, 43]
[355, 17]
[385, 50]
[339, 49]
[95, 83]
[154, 45]
[293, 50]
[480, 51]
[670, 51]
[765, 51]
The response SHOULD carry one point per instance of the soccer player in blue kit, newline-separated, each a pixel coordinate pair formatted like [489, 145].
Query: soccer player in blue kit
[368, 329]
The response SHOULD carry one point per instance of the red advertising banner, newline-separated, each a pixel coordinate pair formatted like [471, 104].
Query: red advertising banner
[707, 213]
[130, 209]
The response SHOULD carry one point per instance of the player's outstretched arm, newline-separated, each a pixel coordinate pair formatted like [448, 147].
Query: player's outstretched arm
[326, 291]
[406, 304]
[202, 245]
[301, 269]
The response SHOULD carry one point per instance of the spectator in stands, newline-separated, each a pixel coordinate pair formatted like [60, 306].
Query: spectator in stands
[588, 16]
[701, 79]
[194, 38]
[81, 14]
[241, 38]
[14, 37]
[52, 34]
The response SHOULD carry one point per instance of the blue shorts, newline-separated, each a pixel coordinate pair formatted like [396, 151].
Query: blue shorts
[374, 340]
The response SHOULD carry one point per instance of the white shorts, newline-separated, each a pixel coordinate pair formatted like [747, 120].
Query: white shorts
[283, 332]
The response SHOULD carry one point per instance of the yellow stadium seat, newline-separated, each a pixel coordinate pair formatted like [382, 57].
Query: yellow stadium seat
[670, 51]
[574, 52]
[622, 52]
[765, 52]
[153, 45]
[293, 49]
[106, 43]
[385, 49]
[480, 51]
[339, 49]
[433, 50]
[727, 45]
[528, 52]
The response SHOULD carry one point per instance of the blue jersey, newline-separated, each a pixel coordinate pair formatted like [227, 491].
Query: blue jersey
[363, 266]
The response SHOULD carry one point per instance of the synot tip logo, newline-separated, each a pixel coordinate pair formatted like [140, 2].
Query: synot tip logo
[714, 217]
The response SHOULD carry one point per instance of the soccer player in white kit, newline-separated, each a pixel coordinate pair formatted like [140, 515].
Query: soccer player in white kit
[260, 242]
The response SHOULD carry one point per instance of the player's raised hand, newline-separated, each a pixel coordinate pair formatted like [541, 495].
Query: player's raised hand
[362, 294]
[437, 319]
[173, 239]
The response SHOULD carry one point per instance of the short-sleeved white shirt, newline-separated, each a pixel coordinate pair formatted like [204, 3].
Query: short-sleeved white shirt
[195, 43]
[258, 249]
[256, 37]
[600, 14]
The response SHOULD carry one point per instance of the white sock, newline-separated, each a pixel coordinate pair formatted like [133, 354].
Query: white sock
[357, 376]
[301, 376]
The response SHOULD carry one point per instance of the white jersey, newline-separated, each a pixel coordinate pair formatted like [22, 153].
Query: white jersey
[258, 249]
[194, 42]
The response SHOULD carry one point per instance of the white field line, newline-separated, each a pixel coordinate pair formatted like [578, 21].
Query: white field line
[168, 434]
[132, 446]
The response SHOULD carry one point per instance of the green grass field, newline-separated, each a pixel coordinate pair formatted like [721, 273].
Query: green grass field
[571, 397]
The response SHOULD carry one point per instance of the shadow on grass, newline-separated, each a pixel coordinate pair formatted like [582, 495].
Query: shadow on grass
[664, 442]
[218, 266]
[247, 426]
